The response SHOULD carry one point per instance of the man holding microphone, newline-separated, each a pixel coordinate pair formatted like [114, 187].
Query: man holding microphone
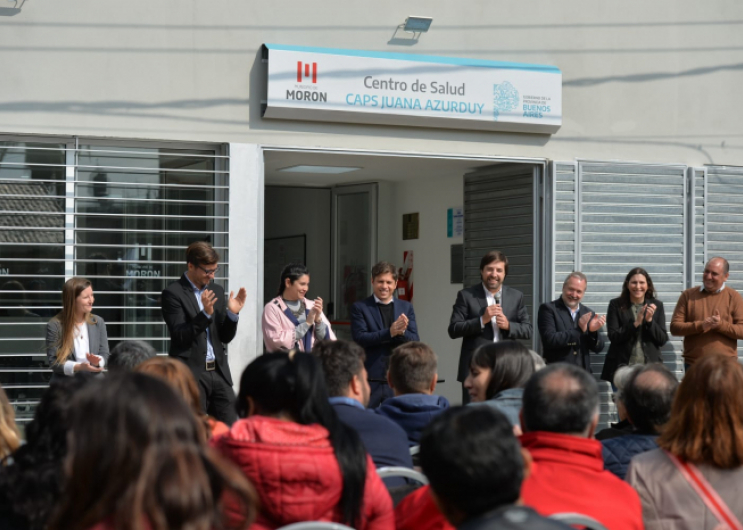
[487, 312]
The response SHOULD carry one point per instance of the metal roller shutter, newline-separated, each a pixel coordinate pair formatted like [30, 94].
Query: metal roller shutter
[723, 220]
[499, 215]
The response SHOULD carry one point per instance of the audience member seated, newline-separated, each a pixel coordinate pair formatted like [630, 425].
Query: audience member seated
[127, 354]
[647, 398]
[412, 377]
[304, 462]
[180, 377]
[136, 461]
[623, 426]
[32, 483]
[475, 466]
[498, 373]
[10, 438]
[559, 418]
[343, 365]
[703, 439]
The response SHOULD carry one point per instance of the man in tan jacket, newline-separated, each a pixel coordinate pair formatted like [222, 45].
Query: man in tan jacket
[709, 317]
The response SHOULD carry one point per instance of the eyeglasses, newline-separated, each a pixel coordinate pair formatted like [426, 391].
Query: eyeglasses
[209, 271]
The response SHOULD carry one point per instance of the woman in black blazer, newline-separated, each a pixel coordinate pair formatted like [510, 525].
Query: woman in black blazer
[636, 323]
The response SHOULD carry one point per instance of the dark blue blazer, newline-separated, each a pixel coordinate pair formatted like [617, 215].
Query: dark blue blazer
[385, 441]
[367, 330]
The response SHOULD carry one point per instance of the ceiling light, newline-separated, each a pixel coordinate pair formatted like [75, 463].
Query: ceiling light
[330, 170]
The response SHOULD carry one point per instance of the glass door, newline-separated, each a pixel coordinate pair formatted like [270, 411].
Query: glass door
[354, 249]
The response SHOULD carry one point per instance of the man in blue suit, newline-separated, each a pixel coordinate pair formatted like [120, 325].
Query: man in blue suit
[379, 324]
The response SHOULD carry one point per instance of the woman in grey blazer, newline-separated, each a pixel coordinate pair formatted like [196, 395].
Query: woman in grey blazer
[76, 339]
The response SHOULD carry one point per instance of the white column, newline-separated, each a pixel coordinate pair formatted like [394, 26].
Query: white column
[246, 251]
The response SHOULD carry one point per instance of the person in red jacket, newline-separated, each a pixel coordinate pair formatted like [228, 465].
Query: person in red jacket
[559, 418]
[304, 463]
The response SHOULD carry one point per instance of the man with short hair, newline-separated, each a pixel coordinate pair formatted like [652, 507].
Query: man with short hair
[412, 377]
[127, 354]
[346, 378]
[201, 320]
[570, 330]
[647, 399]
[379, 323]
[559, 417]
[487, 312]
[709, 317]
[475, 467]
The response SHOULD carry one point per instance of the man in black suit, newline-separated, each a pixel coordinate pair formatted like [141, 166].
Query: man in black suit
[488, 312]
[569, 330]
[200, 322]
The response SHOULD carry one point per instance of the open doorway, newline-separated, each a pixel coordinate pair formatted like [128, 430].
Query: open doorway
[344, 212]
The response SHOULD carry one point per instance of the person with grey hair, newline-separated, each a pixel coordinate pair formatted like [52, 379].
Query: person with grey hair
[128, 354]
[538, 360]
[570, 330]
[623, 426]
[647, 398]
[559, 417]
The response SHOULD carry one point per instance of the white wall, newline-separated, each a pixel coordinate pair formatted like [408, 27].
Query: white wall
[246, 259]
[654, 81]
[433, 295]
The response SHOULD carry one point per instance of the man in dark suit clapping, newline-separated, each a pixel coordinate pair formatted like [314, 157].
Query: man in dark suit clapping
[569, 330]
[201, 320]
[488, 312]
[379, 324]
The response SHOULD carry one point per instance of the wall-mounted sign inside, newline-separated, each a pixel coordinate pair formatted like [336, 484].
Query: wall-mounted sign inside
[355, 86]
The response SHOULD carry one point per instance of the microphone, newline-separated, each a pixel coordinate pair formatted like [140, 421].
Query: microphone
[497, 297]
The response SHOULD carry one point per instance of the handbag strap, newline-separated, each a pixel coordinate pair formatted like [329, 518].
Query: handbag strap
[707, 493]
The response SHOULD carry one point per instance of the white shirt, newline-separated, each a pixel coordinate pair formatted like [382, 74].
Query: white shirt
[377, 300]
[574, 314]
[81, 342]
[490, 298]
[717, 291]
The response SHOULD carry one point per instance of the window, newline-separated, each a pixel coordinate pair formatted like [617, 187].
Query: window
[118, 213]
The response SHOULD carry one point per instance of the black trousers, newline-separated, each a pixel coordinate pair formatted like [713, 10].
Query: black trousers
[217, 397]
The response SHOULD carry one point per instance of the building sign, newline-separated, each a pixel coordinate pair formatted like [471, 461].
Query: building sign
[353, 86]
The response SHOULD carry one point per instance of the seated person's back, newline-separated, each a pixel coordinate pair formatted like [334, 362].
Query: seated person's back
[559, 418]
[647, 399]
[305, 464]
[412, 376]
[343, 365]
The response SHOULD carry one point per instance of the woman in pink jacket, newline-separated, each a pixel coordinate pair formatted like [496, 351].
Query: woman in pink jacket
[290, 320]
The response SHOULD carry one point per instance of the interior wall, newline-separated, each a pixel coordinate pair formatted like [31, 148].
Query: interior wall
[288, 214]
[433, 295]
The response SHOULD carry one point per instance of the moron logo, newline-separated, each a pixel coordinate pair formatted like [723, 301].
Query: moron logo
[303, 71]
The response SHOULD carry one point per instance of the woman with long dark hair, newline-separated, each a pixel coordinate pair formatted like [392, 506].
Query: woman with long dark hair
[136, 461]
[498, 375]
[291, 321]
[76, 339]
[636, 323]
[305, 463]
